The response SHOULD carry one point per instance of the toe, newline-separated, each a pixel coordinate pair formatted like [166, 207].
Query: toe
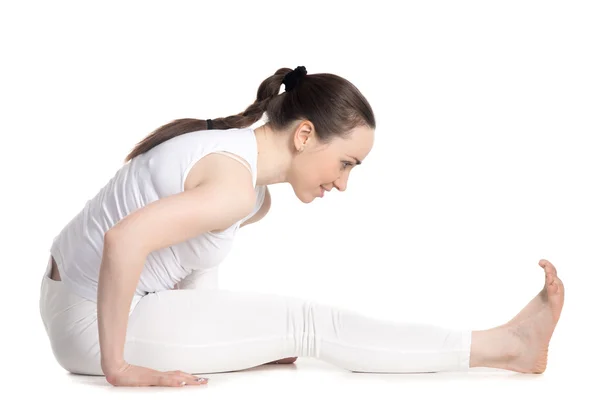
[547, 265]
[559, 285]
[552, 286]
[555, 286]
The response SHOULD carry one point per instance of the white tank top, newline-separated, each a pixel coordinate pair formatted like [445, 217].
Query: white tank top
[158, 173]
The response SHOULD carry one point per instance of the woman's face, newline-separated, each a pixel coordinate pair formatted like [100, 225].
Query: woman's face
[319, 167]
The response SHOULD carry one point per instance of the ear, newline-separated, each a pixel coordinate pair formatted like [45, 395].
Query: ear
[304, 135]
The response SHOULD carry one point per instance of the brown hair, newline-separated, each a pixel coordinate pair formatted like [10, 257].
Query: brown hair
[333, 104]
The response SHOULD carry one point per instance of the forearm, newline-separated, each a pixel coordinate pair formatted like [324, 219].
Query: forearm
[119, 273]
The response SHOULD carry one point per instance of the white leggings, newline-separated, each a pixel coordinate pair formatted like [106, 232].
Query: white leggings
[209, 330]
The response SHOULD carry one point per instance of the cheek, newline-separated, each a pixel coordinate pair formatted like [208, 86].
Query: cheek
[313, 176]
[316, 172]
[328, 173]
[307, 174]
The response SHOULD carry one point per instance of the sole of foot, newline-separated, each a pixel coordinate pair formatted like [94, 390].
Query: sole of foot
[531, 330]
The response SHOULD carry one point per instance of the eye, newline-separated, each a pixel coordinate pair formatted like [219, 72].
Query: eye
[346, 164]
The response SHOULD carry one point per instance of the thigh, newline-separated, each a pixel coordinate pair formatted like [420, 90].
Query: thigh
[212, 330]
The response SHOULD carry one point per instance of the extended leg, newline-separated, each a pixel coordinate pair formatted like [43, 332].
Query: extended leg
[218, 331]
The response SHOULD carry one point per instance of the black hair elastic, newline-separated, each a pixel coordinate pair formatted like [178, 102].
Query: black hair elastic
[209, 124]
[292, 78]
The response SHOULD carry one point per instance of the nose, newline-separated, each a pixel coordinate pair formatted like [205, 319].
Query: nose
[341, 183]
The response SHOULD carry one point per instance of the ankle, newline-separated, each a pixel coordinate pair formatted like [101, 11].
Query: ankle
[493, 348]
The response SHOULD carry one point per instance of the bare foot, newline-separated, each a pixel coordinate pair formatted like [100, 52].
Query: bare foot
[537, 302]
[533, 327]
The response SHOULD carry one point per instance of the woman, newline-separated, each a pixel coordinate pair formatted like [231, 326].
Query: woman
[118, 296]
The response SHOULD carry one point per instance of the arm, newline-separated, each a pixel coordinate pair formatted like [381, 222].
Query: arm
[264, 209]
[216, 201]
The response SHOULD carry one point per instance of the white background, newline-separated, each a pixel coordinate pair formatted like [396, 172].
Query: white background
[485, 161]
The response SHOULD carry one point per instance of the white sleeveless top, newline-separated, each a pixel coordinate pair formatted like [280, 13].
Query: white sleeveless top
[158, 173]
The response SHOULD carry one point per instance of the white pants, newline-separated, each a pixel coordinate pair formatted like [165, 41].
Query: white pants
[210, 330]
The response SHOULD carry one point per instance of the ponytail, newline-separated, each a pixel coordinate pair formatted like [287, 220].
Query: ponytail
[267, 90]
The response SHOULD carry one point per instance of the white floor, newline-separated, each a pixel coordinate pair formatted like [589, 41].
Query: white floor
[309, 378]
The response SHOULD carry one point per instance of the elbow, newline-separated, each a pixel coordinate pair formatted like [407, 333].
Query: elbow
[113, 237]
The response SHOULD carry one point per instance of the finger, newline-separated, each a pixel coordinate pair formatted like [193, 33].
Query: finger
[184, 374]
[191, 379]
[170, 380]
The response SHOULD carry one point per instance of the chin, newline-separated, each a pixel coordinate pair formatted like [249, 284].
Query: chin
[304, 197]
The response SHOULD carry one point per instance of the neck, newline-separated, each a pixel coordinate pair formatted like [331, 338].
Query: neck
[274, 156]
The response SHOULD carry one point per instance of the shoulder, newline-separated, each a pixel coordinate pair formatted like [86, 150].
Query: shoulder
[230, 175]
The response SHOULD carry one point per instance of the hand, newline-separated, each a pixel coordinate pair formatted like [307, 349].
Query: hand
[132, 375]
